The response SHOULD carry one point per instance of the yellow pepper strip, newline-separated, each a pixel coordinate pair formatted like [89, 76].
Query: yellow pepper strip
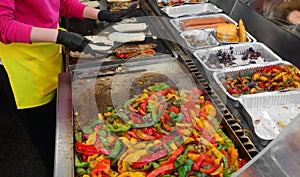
[113, 173]
[233, 153]
[91, 139]
[106, 114]
[132, 174]
[120, 161]
[92, 157]
[132, 157]
[100, 116]
[296, 84]
[188, 140]
[193, 156]
[219, 138]
[279, 76]
[218, 170]
[86, 176]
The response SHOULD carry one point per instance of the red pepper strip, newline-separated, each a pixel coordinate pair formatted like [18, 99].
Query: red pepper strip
[145, 159]
[161, 169]
[102, 166]
[90, 150]
[242, 162]
[269, 68]
[164, 124]
[245, 88]
[143, 107]
[174, 109]
[232, 91]
[142, 135]
[209, 170]
[187, 117]
[132, 109]
[130, 133]
[195, 93]
[135, 118]
[199, 160]
[209, 138]
[173, 157]
[165, 92]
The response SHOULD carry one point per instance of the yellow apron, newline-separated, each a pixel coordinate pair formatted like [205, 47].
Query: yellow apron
[33, 71]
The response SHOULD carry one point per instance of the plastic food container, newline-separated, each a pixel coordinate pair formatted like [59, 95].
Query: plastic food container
[191, 9]
[271, 113]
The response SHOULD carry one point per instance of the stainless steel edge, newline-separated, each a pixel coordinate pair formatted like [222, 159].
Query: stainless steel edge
[64, 153]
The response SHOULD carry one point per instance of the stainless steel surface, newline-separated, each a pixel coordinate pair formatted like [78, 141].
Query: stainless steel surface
[267, 55]
[64, 152]
[191, 9]
[194, 37]
[177, 22]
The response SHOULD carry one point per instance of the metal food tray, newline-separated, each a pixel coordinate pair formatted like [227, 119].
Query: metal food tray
[204, 35]
[270, 113]
[177, 21]
[170, 3]
[241, 71]
[267, 55]
[191, 9]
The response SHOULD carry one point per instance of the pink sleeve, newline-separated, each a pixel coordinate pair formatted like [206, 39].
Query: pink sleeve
[11, 30]
[71, 8]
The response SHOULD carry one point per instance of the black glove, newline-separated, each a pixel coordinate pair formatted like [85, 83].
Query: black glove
[74, 42]
[106, 15]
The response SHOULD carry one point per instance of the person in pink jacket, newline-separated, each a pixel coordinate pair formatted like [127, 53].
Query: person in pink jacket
[31, 59]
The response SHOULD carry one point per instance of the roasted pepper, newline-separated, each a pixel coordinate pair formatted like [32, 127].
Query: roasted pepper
[116, 150]
[186, 168]
[117, 128]
[161, 169]
[89, 150]
[102, 166]
[80, 164]
[149, 158]
[174, 155]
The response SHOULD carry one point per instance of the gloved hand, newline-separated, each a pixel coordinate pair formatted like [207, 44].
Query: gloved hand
[106, 15]
[74, 42]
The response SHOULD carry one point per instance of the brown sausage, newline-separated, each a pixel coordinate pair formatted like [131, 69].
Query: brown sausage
[203, 21]
[185, 28]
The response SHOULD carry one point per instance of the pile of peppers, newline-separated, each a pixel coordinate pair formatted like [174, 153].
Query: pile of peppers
[160, 132]
[270, 78]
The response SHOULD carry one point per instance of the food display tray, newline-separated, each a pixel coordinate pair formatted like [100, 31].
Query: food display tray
[170, 3]
[191, 9]
[270, 113]
[197, 39]
[241, 71]
[177, 21]
[266, 55]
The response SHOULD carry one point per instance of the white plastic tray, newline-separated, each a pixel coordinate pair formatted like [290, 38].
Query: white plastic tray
[270, 113]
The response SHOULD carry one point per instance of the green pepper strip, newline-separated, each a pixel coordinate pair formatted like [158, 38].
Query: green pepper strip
[116, 150]
[96, 122]
[80, 171]
[227, 140]
[80, 164]
[183, 157]
[119, 127]
[186, 168]
[78, 137]
[214, 121]
[225, 160]
[154, 117]
[87, 130]
[122, 116]
[103, 139]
